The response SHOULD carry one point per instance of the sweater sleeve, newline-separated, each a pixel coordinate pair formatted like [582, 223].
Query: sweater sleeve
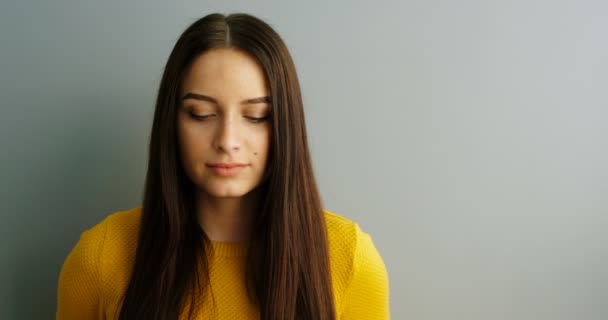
[80, 282]
[367, 295]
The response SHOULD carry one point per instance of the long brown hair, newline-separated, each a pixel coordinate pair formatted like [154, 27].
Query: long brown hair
[287, 262]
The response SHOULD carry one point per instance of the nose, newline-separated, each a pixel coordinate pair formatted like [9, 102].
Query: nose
[227, 137]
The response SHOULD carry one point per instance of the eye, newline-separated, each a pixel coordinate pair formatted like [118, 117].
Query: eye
[200, 117]
[258, 120]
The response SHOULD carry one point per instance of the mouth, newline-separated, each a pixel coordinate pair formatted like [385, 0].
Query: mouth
[226, 165]
[226, 169]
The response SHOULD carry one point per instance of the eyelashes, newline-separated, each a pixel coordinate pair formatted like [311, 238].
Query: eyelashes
[199, 118]
[206, 117]
[257, 120]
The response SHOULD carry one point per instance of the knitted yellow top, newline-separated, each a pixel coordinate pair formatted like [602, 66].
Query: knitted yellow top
[96, 273]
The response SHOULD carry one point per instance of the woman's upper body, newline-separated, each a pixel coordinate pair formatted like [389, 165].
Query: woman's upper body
[228, 162]
[97, 271]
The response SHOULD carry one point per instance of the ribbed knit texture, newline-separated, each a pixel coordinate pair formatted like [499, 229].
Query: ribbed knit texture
[96, 273]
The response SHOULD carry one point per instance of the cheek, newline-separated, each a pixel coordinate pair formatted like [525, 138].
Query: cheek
[191, 148]
[191, 157]
[199, 168]
[262, 145]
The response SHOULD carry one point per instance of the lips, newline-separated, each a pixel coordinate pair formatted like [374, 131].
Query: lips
[226, 169]
[226, 165]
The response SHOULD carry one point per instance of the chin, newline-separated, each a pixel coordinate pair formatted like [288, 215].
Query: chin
[226, 195]
[226, 191]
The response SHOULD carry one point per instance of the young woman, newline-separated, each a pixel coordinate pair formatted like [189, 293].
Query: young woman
[231, 225]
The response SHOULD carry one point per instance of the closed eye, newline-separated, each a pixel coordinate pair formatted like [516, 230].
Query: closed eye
[204, 117]
[200, 117]
[258, 120]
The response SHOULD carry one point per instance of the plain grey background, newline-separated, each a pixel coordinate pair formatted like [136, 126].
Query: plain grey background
[469, 138]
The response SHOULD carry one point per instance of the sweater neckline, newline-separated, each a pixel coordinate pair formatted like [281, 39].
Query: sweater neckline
[229, 249]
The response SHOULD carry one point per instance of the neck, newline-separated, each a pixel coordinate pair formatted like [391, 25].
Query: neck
[227, 219]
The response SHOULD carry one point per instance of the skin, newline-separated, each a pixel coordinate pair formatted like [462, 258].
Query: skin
[230, 81]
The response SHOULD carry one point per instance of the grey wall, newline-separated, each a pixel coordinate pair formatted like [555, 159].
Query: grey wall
[468, 137]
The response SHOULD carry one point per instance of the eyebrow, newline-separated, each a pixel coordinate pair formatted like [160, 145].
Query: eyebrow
[202, 97]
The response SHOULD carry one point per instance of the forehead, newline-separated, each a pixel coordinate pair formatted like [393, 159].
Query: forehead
[225, 73]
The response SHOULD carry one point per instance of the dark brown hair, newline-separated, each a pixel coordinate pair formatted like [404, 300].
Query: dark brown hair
[287, 262]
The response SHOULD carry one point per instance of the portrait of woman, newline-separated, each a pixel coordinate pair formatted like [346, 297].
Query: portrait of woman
[232, 225]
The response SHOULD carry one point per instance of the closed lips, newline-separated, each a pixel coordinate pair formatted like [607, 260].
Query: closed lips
[226, 165]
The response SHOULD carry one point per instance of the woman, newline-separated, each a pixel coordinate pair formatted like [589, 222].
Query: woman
[232, 225]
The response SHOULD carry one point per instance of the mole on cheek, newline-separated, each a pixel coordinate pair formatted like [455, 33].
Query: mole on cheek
[255, 153]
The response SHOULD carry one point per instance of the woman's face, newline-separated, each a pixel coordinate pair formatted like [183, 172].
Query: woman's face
[223, 123]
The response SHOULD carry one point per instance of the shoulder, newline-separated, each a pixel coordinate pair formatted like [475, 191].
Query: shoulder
[113, 243]
[117, 247]
[115, 231]
[122, 224]
[358, 270]
[120, 242]
[127, 218]
[342, 236]
[347, 239]
[113, 224]
[339, 227]
[346, 235]
[98, 265]
[116, 234]
[342, 242]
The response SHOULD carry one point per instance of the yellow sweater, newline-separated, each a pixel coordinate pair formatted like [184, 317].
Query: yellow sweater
[96, 273]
